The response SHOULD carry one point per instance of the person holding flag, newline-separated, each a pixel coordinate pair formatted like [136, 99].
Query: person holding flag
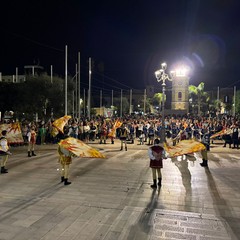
[156, 154]
[112, 131]
[65, 159]
[71, 147]
[32, 136]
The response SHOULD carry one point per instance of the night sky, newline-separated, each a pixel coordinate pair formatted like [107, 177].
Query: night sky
[127, 40]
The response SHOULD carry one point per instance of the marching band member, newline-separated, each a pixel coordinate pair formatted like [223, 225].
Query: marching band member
[65, 159]
[156, 154]
[32, 136]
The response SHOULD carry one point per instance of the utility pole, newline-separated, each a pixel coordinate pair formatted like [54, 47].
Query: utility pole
[51, 74]
[76, 92]
[66, 110]
[121, 105]
[89, 88]
[234, 101]
[79, 89]
[130, 105]
[144, 103]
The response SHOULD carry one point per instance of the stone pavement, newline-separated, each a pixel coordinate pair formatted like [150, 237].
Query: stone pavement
[111, 198]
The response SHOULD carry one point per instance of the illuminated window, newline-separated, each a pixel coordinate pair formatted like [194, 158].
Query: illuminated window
[179, 96]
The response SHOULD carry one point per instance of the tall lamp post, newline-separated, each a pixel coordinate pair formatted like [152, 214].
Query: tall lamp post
[162, 76]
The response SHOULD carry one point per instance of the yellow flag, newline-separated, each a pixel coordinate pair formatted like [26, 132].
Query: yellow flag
[79, 148]
[61, 122]
[116, 125]
[184, 147]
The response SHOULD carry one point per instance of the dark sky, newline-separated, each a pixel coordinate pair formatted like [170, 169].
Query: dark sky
[127, 40]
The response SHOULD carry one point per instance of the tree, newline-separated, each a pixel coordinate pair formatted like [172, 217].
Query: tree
[201, 97]
[157, 99]
[36, 95]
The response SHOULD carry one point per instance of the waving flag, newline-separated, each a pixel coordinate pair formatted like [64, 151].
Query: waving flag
[116, 125]
[184, 147]
[79, 148]
[221, 133]
[14, 133]
[59, 124]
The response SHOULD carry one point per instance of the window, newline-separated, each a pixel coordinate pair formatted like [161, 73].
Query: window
[179, 96]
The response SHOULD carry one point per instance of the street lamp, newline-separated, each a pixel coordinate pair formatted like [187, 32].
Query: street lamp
[162, 76]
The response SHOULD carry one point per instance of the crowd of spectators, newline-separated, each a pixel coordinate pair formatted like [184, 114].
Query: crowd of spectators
[141, 129]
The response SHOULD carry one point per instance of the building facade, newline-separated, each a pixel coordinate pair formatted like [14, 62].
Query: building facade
[180, 92]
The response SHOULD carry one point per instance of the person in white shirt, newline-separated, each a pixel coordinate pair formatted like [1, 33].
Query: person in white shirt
[4, 151]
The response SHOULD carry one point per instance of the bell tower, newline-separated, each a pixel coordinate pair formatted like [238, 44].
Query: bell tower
[180, 91]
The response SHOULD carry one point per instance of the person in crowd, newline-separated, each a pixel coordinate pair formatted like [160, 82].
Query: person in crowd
[188, 132]
[174, 134]
[24, 133]
[81, 134]
[151, 133]
[65, 159]
[32, 136]
[123, 133]
[73, 130]
[141, 138]
[206, 141]
[92, 132]
[156, 154]
[227, 140]
[86, 130]
[145, 131]
[103, 133]
[235, 136]
[183, 134]
[111, 132]
[4, 151]
[42, 133]
[131, 132]
[139, 128]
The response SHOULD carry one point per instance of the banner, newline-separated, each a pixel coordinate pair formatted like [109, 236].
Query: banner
[14, 132]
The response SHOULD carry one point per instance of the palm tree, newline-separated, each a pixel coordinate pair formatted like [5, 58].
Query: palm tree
[202, 97]
[158, 99]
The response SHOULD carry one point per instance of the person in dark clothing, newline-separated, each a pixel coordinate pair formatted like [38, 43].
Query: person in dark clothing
[206, 141]
[235, 137]
[227, 140]
[123, 133]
